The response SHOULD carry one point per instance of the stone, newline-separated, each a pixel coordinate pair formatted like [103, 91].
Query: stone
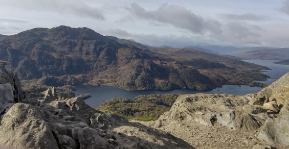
[10, 90]
[271, 106]
[227, 119]
[258, 146]
[276, 130]
[23, 127]
[254, 109]
[6, 98]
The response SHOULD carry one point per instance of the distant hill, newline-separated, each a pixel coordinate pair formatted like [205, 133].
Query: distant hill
[2, 37]
[265, 54]
[77, 56]
[284, 62]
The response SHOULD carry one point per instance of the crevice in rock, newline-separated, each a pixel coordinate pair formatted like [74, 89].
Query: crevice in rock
[56, 139]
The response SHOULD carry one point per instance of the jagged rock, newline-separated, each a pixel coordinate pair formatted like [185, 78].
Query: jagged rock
[278, 90]
[276, 130]
[272, 106]
[254, 109]
[50, 94]
[6, 98]
[10, 90]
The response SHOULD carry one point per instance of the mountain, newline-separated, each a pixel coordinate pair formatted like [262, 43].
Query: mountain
[265, 54]
[2, 37]
[284, 62]
[64, 55]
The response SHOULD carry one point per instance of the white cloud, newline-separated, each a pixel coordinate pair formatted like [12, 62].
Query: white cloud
[73, 7]
[246, 16]
[242, 33]
[163, 22]
[177, 16]
[285, 7]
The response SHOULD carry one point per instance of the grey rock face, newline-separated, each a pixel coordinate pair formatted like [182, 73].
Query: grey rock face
[10, 90]
[23, 127]
[6, 98]
[276, 130]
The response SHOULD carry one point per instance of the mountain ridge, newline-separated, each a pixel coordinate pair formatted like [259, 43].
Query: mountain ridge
[76, 56]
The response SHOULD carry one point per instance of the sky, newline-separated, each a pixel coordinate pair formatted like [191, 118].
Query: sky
[176, 23]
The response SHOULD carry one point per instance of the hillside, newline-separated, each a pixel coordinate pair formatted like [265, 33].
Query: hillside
[76, 56]
[265, 54]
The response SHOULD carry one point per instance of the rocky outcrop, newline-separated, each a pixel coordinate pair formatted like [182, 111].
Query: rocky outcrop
[56, 119]
[230, 121]
[10, 90]
[276, 128]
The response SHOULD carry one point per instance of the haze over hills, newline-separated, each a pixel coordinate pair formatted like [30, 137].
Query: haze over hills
[2, 37]
[65, 55]
[265, 54]
[245, 53]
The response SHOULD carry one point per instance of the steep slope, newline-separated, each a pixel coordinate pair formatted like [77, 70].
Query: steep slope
[65, 55]
[230, 121]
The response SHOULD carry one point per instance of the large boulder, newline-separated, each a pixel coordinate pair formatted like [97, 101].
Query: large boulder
[23, 127]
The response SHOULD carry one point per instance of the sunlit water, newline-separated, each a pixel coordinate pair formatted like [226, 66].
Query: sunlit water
[100, 94]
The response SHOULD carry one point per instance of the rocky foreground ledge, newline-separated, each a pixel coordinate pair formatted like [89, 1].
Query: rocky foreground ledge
[257, 121]
[56, 119]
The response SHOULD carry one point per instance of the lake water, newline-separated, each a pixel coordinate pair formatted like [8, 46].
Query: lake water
[100, 94]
